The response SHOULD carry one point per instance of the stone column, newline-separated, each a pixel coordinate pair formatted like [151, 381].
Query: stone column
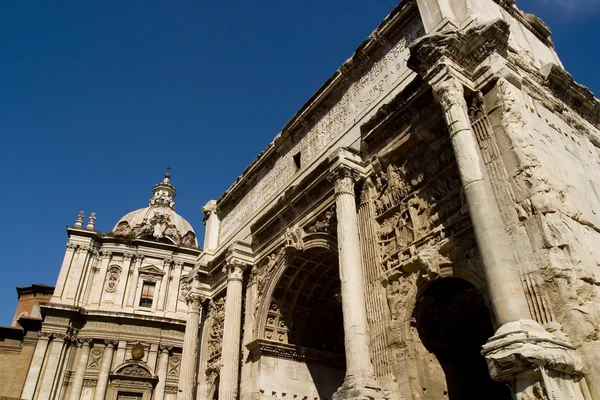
[522, 353]
[163, 364]
[360, 377]
[230, 353]
[107, 357]
[500, 268]
[35, 367]
[52, 362]
[85, 345]
[189, 358]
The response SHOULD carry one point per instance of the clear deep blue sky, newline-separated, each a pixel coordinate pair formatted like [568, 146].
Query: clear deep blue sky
[97, 97]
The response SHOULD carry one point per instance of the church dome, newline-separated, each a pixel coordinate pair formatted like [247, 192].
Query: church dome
[158, 221]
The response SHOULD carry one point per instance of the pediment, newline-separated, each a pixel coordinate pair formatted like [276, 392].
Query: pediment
[151, 270]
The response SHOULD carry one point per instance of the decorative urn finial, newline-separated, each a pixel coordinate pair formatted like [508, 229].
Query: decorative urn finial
[91, 222]
[79, 221]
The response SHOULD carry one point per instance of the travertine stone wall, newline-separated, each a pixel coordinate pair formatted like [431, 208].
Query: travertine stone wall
[284, 379]
[552, 157]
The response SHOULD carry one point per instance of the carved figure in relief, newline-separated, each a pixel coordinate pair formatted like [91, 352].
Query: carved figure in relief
[217, 312]
[123, 228]
[189, 239]
[326, 223]
[294, 237]
[397, 293]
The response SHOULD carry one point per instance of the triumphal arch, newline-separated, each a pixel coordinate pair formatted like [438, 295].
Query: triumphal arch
[425, 227]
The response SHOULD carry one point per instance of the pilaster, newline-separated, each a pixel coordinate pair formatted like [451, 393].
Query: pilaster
[139, 258]
[125, 279]
[64, 271]
[33, 375]
[98, 285]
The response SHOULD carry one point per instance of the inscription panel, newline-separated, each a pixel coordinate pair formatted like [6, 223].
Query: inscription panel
[330, 122]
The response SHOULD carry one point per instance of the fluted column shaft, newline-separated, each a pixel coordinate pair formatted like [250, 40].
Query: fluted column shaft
[80, 371]
[189, 358]
[501, 271]
[230, 354]
[35, 367]
[104, 371]
[359, 369]
[163, 364]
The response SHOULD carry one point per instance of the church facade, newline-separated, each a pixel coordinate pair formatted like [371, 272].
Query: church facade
[425, 227]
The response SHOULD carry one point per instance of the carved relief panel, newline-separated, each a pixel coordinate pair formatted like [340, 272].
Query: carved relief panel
[418, 206]
[215, 332]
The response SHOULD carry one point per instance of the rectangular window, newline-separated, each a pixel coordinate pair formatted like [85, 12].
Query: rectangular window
[147, 294]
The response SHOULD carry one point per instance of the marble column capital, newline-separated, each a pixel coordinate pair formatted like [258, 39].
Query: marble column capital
[344, 179]
[111, 343]
[81, 342]
[235, 269]
[448, 91]
[194, 301]
[165, 349]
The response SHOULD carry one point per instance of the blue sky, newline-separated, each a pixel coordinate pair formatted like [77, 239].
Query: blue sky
[97, 97]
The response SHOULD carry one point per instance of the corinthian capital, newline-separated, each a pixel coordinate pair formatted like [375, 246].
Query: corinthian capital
[344, 179]
[235, 269]
[449, 91]
[194, 301]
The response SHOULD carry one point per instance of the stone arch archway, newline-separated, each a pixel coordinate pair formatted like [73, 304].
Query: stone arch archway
[300, 346]
[452, 321]
[131, 380]
[276, 265]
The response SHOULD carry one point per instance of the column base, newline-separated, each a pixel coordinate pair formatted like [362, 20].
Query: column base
[359, 388]
[535, 363]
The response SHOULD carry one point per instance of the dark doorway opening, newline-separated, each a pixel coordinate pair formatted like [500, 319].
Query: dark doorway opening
[453, 323]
